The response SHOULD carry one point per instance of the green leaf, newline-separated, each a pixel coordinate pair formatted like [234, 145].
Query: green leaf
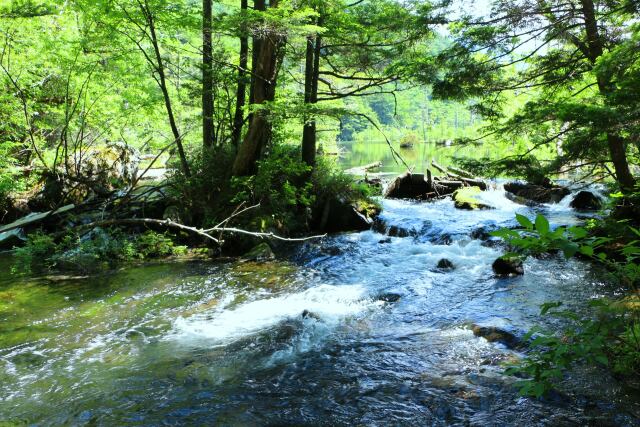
[568, 248]
[586, 250]
[524, 221]
[578, 232]
[542, 225]
[548, 306]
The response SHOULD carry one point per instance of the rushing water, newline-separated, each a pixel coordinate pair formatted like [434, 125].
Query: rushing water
[227, 343]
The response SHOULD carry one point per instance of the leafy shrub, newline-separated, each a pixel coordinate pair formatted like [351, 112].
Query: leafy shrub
[281, 186]
[289, 191]
[39, 248]
[156, 245]
[200, 194]
[609, 337]
[409, 139]
[96, 250]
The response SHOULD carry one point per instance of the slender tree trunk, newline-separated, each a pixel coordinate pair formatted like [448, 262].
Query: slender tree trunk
[616, 143]
[256, 45]
[312, 74]
[162, 82]
[208, 136]
[264, 88]
[241, 92]
[309, 129]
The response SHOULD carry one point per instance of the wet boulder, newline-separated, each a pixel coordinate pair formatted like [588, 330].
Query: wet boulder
[546, 193]
[262, 252]
[466, 198]
[339, 215]
[445, 264]
[408, 186]
[495, 334]
[508, 266]
[306, 314]
[586, 201]
[388, 297]
[396, 231]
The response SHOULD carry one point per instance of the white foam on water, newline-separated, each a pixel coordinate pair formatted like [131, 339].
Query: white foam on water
[330, 303]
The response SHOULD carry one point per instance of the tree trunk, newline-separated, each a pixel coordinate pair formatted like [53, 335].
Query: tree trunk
[208, 137]
[312, 73]
[162, 82]
[264, 88]
[238, 118]
[616, 143]
[256, 45]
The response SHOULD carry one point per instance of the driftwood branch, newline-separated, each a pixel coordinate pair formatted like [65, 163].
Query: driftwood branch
[168, 223]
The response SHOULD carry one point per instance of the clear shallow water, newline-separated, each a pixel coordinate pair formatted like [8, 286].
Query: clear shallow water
[227, 344]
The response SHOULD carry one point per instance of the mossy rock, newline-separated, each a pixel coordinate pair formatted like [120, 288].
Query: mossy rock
[465, 198]
[262, 252]
[508, 266]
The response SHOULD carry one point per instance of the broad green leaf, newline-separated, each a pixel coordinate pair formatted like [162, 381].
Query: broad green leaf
[586, 250]
[542, 225]
[568, 248]
[524, 221]
[578, 232]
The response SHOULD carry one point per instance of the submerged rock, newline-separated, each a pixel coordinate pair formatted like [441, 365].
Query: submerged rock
[465, 198]
[262, 252]
[388, 297]
[408, 186]
[445, 264]
[586, 201]
[548, 193]
[306, 314]
[508, 266]
[494, 334]
[395, 231]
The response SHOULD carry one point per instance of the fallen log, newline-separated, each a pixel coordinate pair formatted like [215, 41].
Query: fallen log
[461, 172]
[442, 169]
[472, 182]
[360, 170]
[35, 218]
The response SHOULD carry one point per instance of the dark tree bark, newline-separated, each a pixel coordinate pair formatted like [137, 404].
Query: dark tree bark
[312, 73]
[162, 83]
[241, 92]
[264, 88]
[208, 136]
[615, 142]
[256, 44]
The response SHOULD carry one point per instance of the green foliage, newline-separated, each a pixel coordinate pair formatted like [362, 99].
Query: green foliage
[537, 238]
[608, 337]
[38, 249]
[525, 167]
[96, 250]
[280, 186]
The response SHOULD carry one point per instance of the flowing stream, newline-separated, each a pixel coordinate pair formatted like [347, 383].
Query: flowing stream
[312, 339]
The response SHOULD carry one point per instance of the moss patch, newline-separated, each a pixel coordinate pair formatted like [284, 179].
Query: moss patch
[465, 198]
